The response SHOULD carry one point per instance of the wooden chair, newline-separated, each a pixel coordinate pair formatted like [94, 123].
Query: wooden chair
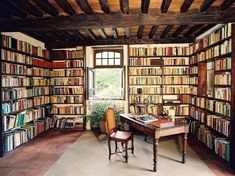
[117, 136]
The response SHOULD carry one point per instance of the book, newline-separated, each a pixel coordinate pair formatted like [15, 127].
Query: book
[163, 123]
[145, 118]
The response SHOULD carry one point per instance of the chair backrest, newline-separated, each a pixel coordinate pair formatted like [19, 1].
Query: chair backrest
[110, 120]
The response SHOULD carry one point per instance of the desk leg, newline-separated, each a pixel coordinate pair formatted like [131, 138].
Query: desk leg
[155, 145]
[184, 148]
[122, 125]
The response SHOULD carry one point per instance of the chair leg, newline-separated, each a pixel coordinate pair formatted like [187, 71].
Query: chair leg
[132, 145]
[109, 148]
[126, 150]
[116, 147]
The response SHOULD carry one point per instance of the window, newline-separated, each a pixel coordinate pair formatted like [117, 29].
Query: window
[106, 80]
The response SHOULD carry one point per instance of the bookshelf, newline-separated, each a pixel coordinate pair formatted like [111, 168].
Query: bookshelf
[212, 100]
[159, 76]
[67, 88]
[25, 92]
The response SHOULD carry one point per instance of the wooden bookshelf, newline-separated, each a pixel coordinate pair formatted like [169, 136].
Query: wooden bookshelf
[212, 107]
[68, 99]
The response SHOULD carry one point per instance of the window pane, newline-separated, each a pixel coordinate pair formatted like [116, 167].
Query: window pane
[111, 61]
[105, 54]
[111, 54]
[117, 55]
[98, 61]
[104, 61]
[98, 55]
[117, 61]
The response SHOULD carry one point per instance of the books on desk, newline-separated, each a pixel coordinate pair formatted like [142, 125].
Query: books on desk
[145, 118]
[163, 123]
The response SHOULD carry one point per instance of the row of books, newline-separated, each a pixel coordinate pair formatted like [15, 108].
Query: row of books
[219, 124]
[73, 72]
[145, 80]
[180, 71]
[193, 90]
[143, 61]
[176, 90]
[212, 38]
[67, 99]
[41, 63]
[198, 101]
[15, 57]
[65, 110]
[16, 137]
[41, 100]
[175, 80]
[68, 122]
[182, 110]
[67, 81]
[176, 61]
[145, 99]
[158, 51]
[193, 70]
[220, 145]
[193, 80]
[67, 64]
[223, 64]
[12, 94]
[17, 105]
[223, 93]
[15, 69]
[41, 72]
[145, 71]
[67, 91]
[39, 82]
[198, 114]
[145, 90]
[223, 79]
[66, 54]
[223, 108]
[19, 45]
[14, 121]
[8, 81]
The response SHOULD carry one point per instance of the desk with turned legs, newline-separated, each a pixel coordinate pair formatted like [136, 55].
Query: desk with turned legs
[156, 133]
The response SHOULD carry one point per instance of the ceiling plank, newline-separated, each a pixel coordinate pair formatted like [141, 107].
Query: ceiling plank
[66, 7]
[83, 21]
[83, 4]
[28, 7]
[140, 32]
[166, 31]
[127, 32]
[5, 14]
[179, 30]
[103, 35]
[120, 40]
[165, 5]
[204, 29]
[47, 7]
[226, 4]
[206, 5]
[193, 30]
[186, 5]
[153, 31]
[12, 9]
[38, 36]
[124, 5]
[104, 6]
[91, 34]
[145, 6]
[78, 34]
[114, 32]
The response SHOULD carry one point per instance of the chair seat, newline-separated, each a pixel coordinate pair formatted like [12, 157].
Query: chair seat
[121, 135]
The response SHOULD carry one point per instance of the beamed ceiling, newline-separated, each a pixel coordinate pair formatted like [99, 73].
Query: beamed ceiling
[68, 23]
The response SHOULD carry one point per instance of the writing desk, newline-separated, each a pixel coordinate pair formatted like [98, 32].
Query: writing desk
[156, 133]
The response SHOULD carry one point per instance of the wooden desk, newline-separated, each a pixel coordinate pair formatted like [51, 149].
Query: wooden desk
[157, 133]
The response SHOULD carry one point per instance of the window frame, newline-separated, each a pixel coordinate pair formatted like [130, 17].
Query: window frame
[109, 50]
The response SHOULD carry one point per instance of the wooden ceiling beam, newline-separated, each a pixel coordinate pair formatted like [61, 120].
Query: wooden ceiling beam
[38, 36]
[91, 34]
[165, 5]
[206, 5]
[140, 32]
[145, 6]
[83, 4]
[102, 33]
[179, 30]
[84, 21]
[66, 7]
[28, 7]
[193, 30]
[127, 32]
[166, 31]
[104, 6]
[124, 5]
[120, 40]
[78, 34]
[153, 31]
[114, 32]
[47, 7]
[186, 5]
[226, 4]
[204, 29]
[12, 9]
[5, 14]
